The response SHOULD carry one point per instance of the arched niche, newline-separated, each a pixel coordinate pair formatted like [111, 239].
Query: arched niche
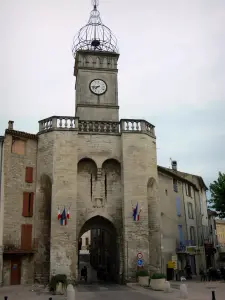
[43, 229]
[87, 164]
[87, 176]
[111, 171]
[104, 250]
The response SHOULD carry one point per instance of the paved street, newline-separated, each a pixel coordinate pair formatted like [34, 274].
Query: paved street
[197, 291]
[83, 292]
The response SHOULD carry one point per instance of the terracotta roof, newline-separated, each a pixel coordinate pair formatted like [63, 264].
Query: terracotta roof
[176, 174]
[21, 134]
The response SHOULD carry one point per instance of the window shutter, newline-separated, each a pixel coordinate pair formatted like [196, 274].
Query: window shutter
[26, 236]
[29, 175]
[25, 204]
[178, 206]
[31, 204]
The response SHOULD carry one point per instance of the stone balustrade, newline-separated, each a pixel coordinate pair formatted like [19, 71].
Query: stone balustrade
[98, 127]
[60, 123]
[138, 126]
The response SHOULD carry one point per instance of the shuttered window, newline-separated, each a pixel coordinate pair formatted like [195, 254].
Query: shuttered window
[26, 236]
[28, 204]
[178, 207]
[29, 175]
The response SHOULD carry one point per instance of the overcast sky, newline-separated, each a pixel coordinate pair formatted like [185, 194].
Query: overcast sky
[171, 70]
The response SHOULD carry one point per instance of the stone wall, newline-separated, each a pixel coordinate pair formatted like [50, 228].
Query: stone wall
[43, 205]
[64, 194]
[140, 181]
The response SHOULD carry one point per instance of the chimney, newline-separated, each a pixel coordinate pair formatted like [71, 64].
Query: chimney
[10, 125]
[174, 165]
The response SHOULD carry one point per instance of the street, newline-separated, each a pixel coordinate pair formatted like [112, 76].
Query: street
[83, 292]
[196, 290]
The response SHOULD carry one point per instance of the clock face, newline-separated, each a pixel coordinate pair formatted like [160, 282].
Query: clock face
[98, 86]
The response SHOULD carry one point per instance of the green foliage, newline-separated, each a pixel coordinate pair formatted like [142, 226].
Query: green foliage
[158, 276]
[142, 273]
[217, 190]
[57, 279]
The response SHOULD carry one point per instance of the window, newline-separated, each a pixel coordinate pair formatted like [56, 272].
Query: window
[192, 235]
[190, 211]
[28, 203]
[29, 175]
[166, 192]
[26, 236]
[105, 186]
[188, 190]
[87, 241]
[175, 185]
[178, 206]
[18, 146]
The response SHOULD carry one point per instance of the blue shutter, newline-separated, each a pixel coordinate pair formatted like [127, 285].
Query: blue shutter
[178, 206]
[181, 238]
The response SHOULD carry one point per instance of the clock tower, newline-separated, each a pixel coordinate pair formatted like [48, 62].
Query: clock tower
[96, 56]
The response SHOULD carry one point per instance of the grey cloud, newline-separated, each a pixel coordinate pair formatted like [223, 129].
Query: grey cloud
[171, 69]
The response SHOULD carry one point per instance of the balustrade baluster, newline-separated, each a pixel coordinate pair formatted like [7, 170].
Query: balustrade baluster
[66, 123]
[60, 122]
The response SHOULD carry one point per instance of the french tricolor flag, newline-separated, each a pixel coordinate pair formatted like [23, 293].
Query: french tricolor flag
[59, 214]
[68, 214]
[136, 215]
[63, 219]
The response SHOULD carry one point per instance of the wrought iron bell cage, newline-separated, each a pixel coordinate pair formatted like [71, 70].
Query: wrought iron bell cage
[95, 36]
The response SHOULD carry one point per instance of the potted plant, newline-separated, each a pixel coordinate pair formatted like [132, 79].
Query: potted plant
[58, 284]
[157, 282]
[143, 277]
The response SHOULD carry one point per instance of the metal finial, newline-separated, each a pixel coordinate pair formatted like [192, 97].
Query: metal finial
[95, 3]
[95, 36]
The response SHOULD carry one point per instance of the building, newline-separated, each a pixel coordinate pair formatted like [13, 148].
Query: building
[182, 196]
[211, 241]
[85, 242]
[85, 164]
[220, 231]
[100, 175]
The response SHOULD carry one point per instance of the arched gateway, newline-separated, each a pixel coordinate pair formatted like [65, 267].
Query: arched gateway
[102, 258]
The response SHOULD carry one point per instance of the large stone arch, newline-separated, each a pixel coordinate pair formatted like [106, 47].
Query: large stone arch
[43, 228]
[104, 250]
[154, 225]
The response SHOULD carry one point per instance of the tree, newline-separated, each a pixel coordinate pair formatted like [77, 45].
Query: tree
[217, 189]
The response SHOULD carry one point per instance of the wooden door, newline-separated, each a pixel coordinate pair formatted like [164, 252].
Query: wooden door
[15, 271]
